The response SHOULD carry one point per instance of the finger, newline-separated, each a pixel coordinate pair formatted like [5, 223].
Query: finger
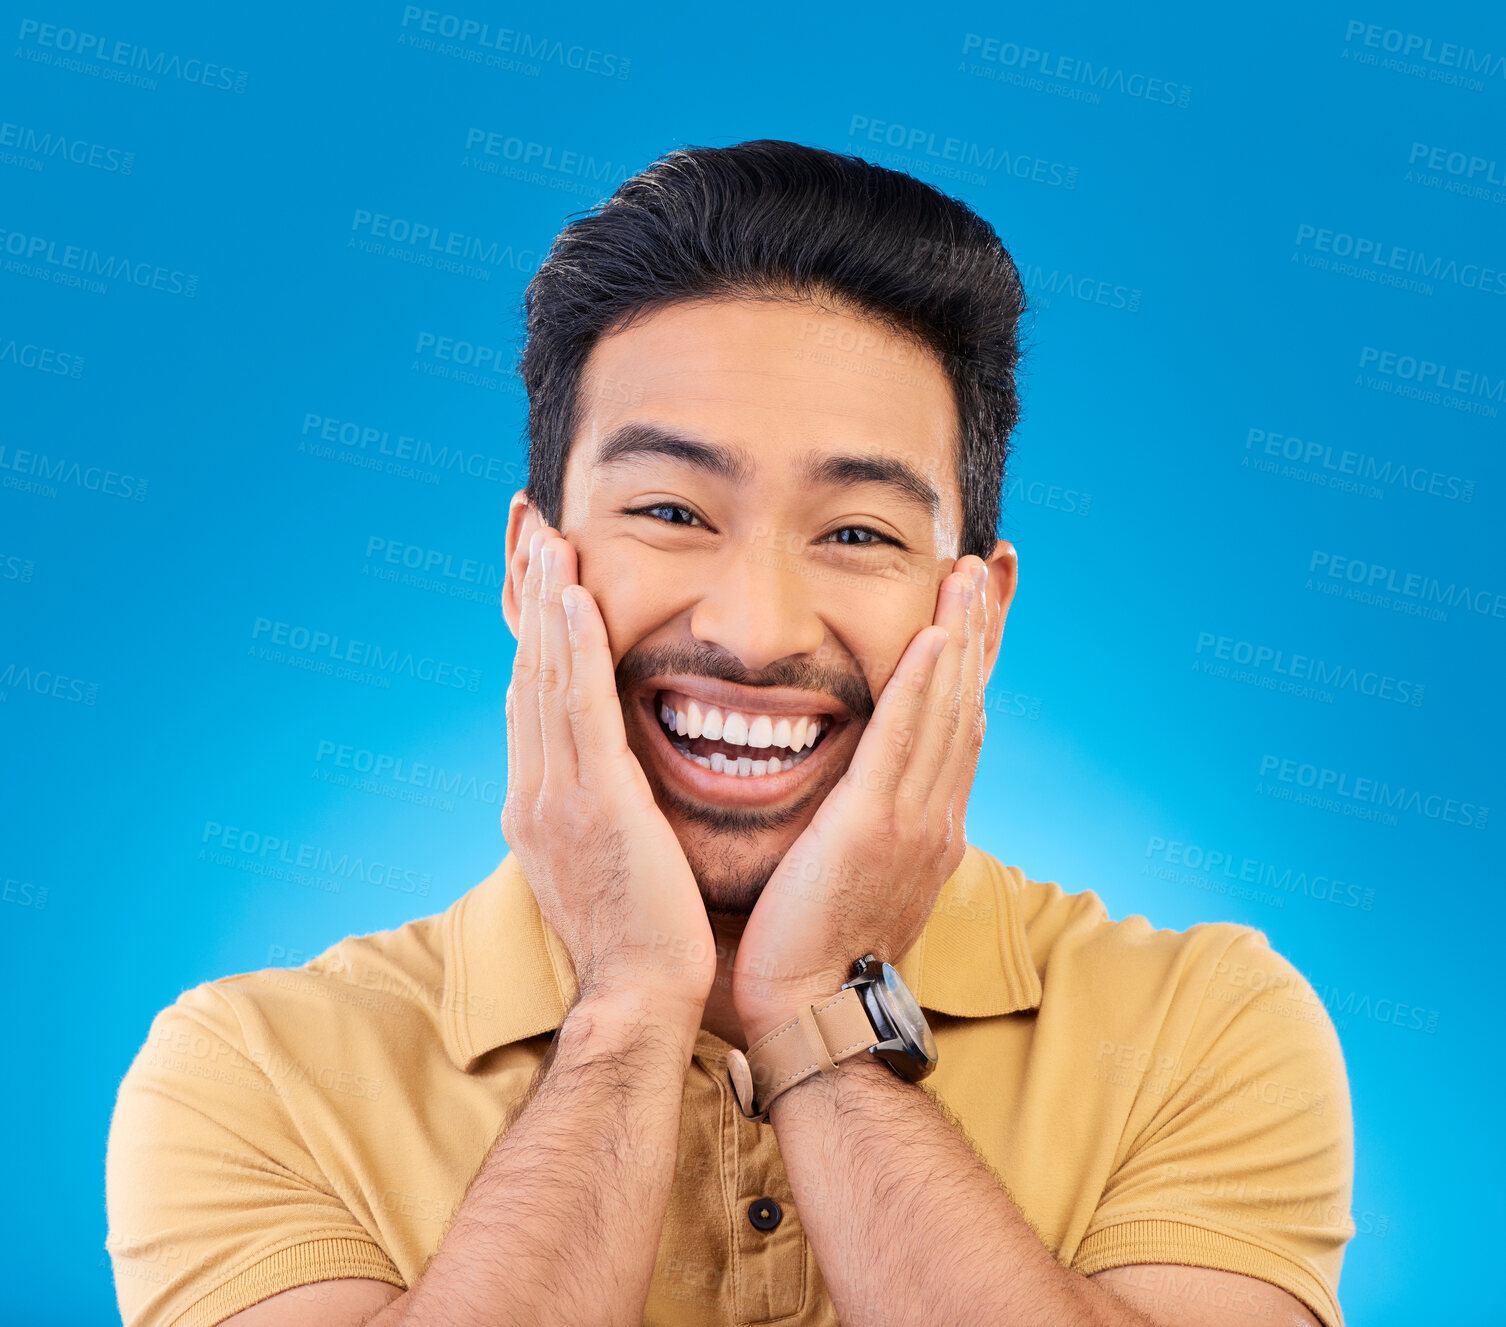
[962, 763]
[593, 706]
[557, 569]
[525, 750]
[885, 746]
[528, 611]
[942, 704]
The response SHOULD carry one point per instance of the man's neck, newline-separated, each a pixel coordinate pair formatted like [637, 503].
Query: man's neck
[719, 1017]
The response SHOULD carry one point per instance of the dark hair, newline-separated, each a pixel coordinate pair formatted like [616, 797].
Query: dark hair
[778, 220]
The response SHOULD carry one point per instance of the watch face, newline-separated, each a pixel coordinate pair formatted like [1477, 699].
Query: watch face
[910, 1022]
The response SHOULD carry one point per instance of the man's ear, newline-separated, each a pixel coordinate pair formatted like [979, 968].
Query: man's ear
[523, 518]
[1003, 574]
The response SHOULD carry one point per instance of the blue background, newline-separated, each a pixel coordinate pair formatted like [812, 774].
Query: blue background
[1178, 325]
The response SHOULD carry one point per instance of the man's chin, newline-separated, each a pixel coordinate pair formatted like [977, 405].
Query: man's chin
[730, 872]
[733, 850]
[746, 824]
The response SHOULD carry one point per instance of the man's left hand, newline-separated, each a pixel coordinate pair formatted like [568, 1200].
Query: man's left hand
[865, 874]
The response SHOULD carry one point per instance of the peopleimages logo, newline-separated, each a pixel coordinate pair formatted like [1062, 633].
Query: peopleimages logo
[377, 442]
[1373, 254]
[1230, 868]
[1378, 578]
[1372, 792]
[1085, 289]
[924, 144]
[1413, 45]
[1465, 165]
[278, 851]
[530, 153]
[61, 470]
[44, 359]
[436, 562]
[1360, 467]
[326, 647]
[509, 41]
[103, 51]
[1425, 372]
[50, 259]
[1030, 60]
[41, 145]
[1304, 668]
[414, 773]
[430, 244]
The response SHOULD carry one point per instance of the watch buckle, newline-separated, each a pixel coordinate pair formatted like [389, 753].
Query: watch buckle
[740, 1075]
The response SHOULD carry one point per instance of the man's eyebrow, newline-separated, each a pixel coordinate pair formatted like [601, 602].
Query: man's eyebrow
[637, 438]
[851, 470]
[640, 438]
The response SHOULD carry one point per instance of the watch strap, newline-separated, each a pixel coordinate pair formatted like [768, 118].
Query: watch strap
[820, 1036]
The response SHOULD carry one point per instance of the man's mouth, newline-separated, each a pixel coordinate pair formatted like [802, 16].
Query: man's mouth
[744, 744]
[733, 747]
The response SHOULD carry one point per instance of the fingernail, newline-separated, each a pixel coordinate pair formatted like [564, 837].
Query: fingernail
[939, 643]
[548, 558]
[573, 602]
[533, 544]
[980, 575]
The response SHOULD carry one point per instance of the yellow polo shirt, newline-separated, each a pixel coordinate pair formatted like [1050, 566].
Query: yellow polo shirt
[1147, 1096]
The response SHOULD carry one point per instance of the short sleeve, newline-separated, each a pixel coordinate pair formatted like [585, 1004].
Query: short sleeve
[214, 1202]
[1244, 1158]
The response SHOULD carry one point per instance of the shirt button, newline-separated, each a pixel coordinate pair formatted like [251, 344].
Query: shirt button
[764, 1213]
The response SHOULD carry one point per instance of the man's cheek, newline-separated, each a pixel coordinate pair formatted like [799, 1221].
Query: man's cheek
[879, 666]
[881, 631]
[626, 606]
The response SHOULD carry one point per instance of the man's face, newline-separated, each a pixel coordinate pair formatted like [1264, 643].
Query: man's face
[763, 517]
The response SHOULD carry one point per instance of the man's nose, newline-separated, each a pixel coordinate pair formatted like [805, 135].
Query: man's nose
[760, 607]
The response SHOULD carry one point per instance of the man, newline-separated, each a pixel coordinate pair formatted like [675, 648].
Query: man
[757, 596]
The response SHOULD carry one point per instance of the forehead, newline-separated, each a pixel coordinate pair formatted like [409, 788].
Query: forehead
[776, 379]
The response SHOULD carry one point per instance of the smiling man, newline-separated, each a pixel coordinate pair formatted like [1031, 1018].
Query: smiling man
[742, 1030]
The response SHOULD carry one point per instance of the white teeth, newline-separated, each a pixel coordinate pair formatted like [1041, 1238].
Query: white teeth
[744, 767]
[759, 731]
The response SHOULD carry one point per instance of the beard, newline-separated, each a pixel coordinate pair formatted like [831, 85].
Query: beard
[728, 848]
[730, 876]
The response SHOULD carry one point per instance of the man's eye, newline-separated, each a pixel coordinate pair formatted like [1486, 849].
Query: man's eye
[869, 537]
[852, 536]
[669, 512]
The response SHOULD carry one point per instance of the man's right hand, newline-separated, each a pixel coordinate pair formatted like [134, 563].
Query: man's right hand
[605, 866]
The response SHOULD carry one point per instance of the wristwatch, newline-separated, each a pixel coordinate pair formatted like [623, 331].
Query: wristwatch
[873, 1012]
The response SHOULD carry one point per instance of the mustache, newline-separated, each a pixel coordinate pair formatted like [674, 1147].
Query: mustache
[701, 660]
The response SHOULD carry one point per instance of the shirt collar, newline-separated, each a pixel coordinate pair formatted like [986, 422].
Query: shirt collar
[508, 975]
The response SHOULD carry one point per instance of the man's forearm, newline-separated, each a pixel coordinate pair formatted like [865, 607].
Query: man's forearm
[562, 1222]
[908, 1225]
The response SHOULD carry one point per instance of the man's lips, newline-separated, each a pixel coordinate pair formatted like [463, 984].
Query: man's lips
[737, 772]
[709, 691]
